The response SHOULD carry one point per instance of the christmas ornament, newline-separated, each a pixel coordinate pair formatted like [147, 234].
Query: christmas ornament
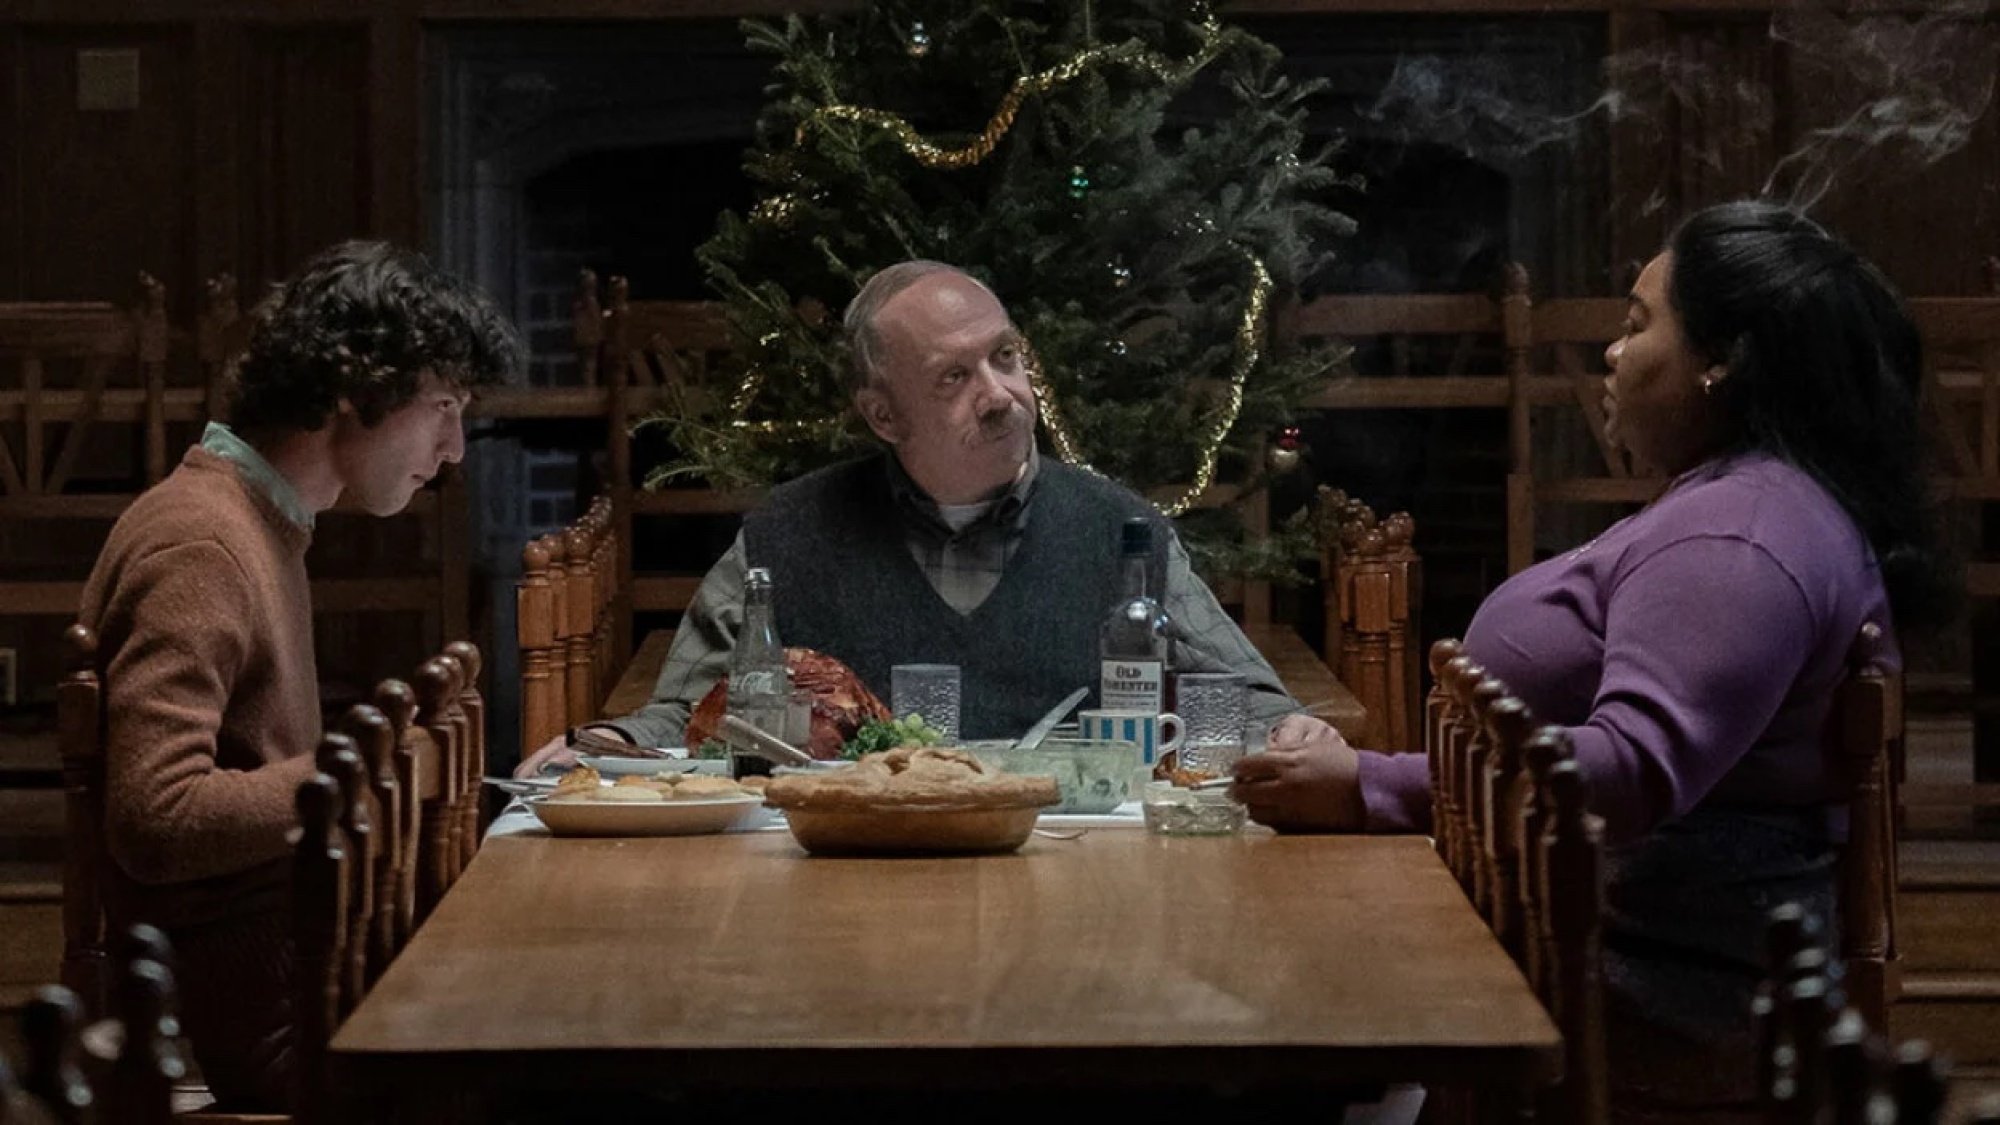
[1115, 348]
[1079, 184]
[1284, 456]
[1121, 275]
[919, 41]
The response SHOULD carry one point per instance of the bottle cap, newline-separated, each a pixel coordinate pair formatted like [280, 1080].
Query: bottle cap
[1136, 537]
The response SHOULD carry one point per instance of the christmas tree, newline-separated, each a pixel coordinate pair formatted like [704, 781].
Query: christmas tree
[1126, 175]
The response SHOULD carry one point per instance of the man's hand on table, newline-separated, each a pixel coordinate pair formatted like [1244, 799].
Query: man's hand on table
[1307, 780]
[557, 753]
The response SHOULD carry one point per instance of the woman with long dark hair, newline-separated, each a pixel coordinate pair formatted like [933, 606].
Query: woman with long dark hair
[1693, 649]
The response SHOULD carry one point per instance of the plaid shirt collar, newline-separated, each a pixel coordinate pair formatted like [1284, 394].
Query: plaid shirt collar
[921, 516]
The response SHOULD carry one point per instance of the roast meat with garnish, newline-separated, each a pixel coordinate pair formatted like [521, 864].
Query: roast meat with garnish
[840, 703]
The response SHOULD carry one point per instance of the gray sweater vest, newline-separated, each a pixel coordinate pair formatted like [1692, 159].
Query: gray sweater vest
[845, 584]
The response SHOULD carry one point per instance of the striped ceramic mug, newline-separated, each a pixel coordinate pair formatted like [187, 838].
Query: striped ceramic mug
[1154, 735]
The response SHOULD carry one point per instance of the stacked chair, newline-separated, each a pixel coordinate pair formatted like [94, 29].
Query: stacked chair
[388, 823]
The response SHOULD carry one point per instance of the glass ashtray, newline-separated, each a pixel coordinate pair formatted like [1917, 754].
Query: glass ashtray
[1173, 811]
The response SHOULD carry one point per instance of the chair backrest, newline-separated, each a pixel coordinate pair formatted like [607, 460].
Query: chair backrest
[437, 692]
[1510, 818]
[221, 334]
[683, 346]
[1434, 335]
[1962, 381]
[410, 794]
[81, 733]
[77, 366]
[1373, 586]
[1555, 360]
[328, 865]
[52, 1065]
[1865, 737]
[1570, 854]
[1818, 1059]
[572, 623]
[471, 718]
[538, 616]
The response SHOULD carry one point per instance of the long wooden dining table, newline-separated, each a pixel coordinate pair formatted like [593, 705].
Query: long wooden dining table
[1114, 960]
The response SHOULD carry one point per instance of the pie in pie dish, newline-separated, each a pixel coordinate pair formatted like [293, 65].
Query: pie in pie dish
[913, 799]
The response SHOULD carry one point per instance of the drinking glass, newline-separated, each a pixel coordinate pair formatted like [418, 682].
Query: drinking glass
[929, 690]
[1214, 711]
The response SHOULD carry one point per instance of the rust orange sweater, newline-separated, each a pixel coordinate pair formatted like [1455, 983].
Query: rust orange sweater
[204, 625]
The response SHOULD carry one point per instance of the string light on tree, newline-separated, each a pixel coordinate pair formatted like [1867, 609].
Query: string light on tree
[918, 43]
[1121, 274]
[1079, 183]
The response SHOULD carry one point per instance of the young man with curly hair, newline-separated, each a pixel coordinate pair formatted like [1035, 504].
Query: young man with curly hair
[352, 388]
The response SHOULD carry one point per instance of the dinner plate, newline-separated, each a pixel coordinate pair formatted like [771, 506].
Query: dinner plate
[689, 817]
[649, 767]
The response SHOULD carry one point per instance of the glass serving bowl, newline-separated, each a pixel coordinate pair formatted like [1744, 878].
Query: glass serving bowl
[1093, 775]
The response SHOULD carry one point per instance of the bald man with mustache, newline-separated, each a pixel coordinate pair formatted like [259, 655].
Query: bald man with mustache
[956, 545]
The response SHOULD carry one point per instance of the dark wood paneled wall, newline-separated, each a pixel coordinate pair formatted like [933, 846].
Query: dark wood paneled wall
[1929, 227]
[252, 143]
[267, 129]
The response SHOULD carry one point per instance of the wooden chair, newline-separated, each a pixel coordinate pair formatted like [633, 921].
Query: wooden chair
[221, 334]
[1373, 588]
[1865, 743]
[73, 372]
[446, 698]
[538, 616]
[141, 1066]
[1961, 338]
[1510, 818]
[683, 346]
[1818, 1059]
[671, 355]
[410, 795]
[1440, 338]
[573, 625]
[354, 872]
[1555, 358]
[79, 365]
[81, 734]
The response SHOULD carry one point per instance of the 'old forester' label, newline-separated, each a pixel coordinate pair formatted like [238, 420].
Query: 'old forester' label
[1133, 685]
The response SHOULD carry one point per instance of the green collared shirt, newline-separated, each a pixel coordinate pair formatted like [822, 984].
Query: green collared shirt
[262, 475]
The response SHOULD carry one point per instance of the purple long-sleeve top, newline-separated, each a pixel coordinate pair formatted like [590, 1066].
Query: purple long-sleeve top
[1691, 650]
